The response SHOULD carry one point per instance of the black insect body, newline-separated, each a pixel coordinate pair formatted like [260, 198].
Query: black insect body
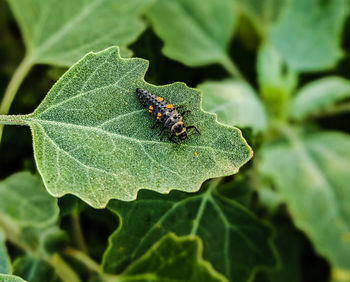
[165, 114]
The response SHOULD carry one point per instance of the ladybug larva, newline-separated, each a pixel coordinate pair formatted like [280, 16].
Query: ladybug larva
[165, 114]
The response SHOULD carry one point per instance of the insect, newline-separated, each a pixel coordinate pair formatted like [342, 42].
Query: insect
[166, 114]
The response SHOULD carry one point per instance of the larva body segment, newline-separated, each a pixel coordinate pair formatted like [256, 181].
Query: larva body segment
[165, 114]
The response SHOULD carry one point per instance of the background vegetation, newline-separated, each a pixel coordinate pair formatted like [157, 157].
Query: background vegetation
[278, 70]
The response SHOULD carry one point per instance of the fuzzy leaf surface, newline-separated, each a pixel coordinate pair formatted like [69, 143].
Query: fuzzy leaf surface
[319, 95]
[61, 32]
[25, 202]
[194, 32]
[307, 34]
[235, 242]
[93, 138]
[312, 176]
[235, 103]
[5, 264]
[173, 259]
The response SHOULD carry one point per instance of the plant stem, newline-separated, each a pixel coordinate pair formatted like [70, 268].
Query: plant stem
[83, 258]
[12, 88]
[91, 264]
[15, 82]
[232, 69]
[62, 269]
[78, 232]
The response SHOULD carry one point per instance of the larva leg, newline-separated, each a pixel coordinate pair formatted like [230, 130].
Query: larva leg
[195, 128]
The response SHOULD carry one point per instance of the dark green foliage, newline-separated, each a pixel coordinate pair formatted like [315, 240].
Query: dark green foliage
[277, 69]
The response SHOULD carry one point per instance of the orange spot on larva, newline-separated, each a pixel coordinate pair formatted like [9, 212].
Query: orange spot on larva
[150, 111]
[150, 107]
[159, 114]
[160, 99]
[169, 106]
[157, 117]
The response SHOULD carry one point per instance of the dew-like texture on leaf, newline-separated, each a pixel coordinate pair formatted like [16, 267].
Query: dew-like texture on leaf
[10, 278]
[5, 264]
[308, 33]
[60, 32]
[318, 95]
[34, 269]
[93, 138]
[173, 259]
[235, 242]
[235, 103]
[312, 177]
[24, 200]
[195, 32]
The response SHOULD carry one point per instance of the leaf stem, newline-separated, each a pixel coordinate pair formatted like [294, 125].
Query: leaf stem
[63, 270]
[78, 232]
[13, 120]
[13, 86]
[91, 264]
[83, 258]
[15, 82]
[231, 68]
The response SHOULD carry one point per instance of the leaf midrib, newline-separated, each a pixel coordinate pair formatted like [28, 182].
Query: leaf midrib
[89, 128]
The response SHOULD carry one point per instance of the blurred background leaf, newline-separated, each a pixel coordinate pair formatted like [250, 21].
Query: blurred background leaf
[312, 177]
[61, 32]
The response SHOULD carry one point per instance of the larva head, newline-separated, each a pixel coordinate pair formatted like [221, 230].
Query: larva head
[180, 130]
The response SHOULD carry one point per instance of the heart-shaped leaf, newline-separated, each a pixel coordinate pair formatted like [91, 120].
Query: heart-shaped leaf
[92, 137]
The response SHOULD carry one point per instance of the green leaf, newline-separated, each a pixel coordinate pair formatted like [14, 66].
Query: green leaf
[25, 202]
[276, 81]
[34, 269]
[312, 176]
[235, 103]
[10, 278]
[318, 95]
[235, 242]
[308, 33]
[92, 138]
[289, 245]
[60, 32]
[194, 32]
[173, 259]
[5, 264]
[261, 13]
[275, 78]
